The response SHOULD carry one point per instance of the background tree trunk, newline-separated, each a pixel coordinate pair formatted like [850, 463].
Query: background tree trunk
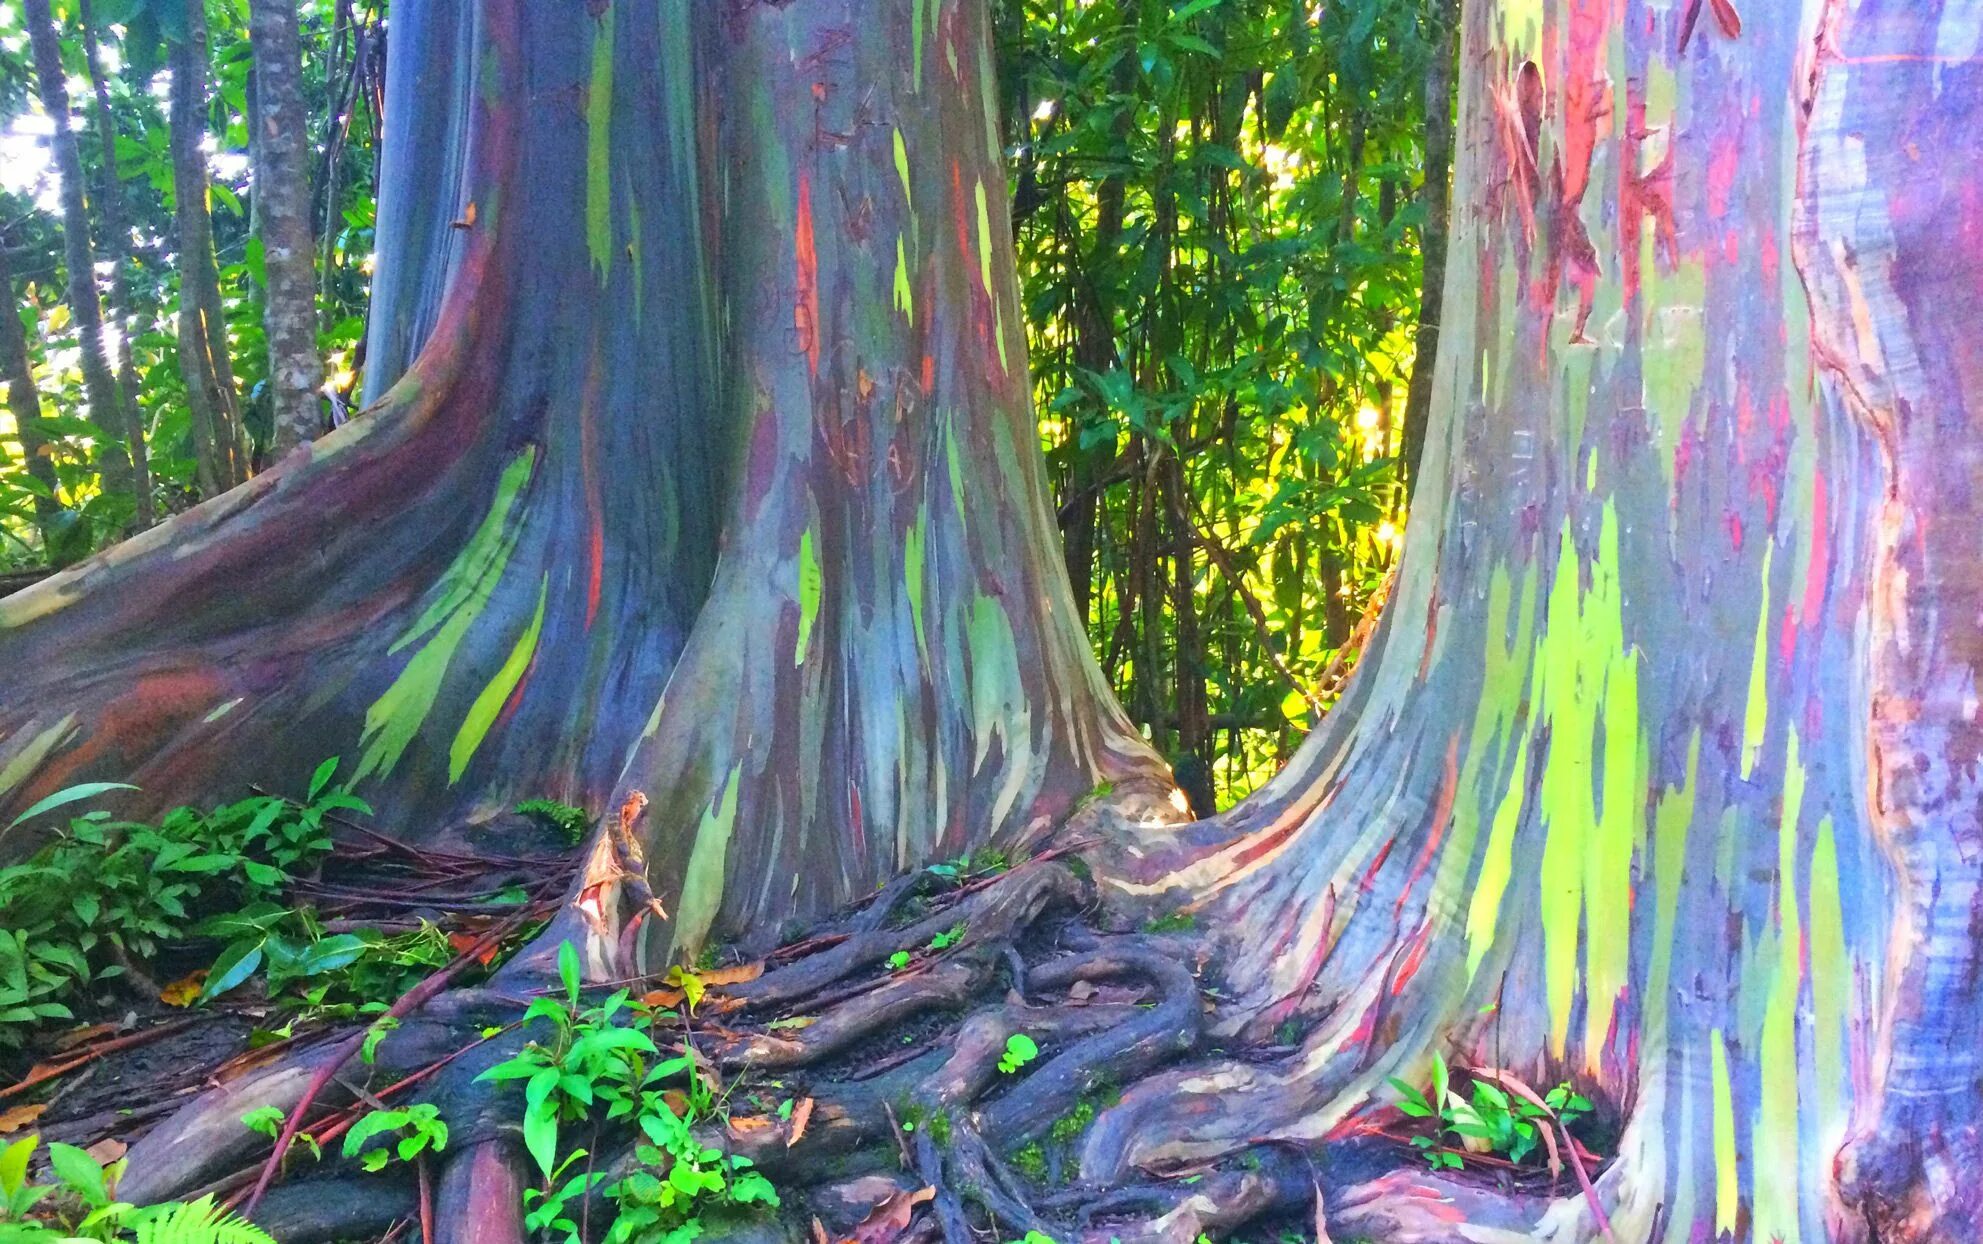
[116, 250]
[1435, 198]
[23, 401]
[106, 410]
[282, 199]
[220, 444]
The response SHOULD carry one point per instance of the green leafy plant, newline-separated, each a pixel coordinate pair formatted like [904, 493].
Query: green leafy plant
[1171, 922]
[899, 960]
[288, 941]
[948, 938]
[1020, 1049]
[984, 861]
[82, 1204]
[268, 1121]
[103, 891]
[413, 1131]
[589, 1067]
[1487, 1119]
[573, 821]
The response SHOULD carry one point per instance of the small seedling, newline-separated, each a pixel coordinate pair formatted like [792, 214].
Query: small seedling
[899, 960]
[417, 1130]
[1020, 1049]
[268, 1121]
[1488, 1120]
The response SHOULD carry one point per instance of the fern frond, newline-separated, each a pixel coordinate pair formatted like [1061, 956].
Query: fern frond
[199, 1222]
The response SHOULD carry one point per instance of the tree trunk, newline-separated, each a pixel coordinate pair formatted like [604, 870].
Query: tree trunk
[1659, 777]
[116, 250]
[24, 403]
[220, 445]
[282, 199]
[749, 466]
[1435, 197]
[106, 411]
[1683, 574]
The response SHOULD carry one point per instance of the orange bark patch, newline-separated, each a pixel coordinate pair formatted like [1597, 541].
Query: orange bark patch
[805, 314]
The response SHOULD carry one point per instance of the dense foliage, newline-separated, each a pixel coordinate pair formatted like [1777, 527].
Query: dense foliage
[1219, 207]
[65, 507]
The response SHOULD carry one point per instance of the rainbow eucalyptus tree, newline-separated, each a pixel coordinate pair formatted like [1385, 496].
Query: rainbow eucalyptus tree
[701, 468]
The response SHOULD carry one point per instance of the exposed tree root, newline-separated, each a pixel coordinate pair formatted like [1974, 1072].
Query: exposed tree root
[902, 1068]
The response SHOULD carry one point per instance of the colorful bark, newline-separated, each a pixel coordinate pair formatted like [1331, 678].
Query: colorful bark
[1687, 577]
[1685, 573]
[692, 488]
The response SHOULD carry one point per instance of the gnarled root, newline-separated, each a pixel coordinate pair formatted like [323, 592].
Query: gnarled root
[932, 1119]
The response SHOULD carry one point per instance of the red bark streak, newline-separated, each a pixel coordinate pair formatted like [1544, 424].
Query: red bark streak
[1818, 576]
[1727, 18]
[805, 314]
[1370, 874]
[516, 696]
[1442, 818]
[1414, 958]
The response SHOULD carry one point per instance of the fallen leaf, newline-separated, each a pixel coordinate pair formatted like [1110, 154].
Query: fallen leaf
[733, 975]
[70, 1040]
[463, 942]
[794, 1022]
[1726, 16]
[664, 998]
[886, 1221]
[743, 1123]
[107, 1150]
[819, 1235]
[690, 983]
[801, 1115]
[184, 991]
[1321, 1218]
[1080, 991]
[677, 1100]
[18, 1117]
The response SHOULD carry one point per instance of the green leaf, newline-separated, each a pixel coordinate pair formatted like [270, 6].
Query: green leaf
[78, 1172]
[236, 964]
[328, 955]
[14, 1165]
[540, 1135]
[320, 779]
[67, 795]
[568, 970]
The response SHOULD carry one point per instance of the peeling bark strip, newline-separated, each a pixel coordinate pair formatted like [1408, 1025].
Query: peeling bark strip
[1660, 776]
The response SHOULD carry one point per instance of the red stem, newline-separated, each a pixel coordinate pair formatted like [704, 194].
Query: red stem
[413, 1000]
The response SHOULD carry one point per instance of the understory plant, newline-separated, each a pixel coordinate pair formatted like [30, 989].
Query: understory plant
[569, 819]
[1488, 1120]
[82, 1204]
[598, 1066]
[103, 892]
